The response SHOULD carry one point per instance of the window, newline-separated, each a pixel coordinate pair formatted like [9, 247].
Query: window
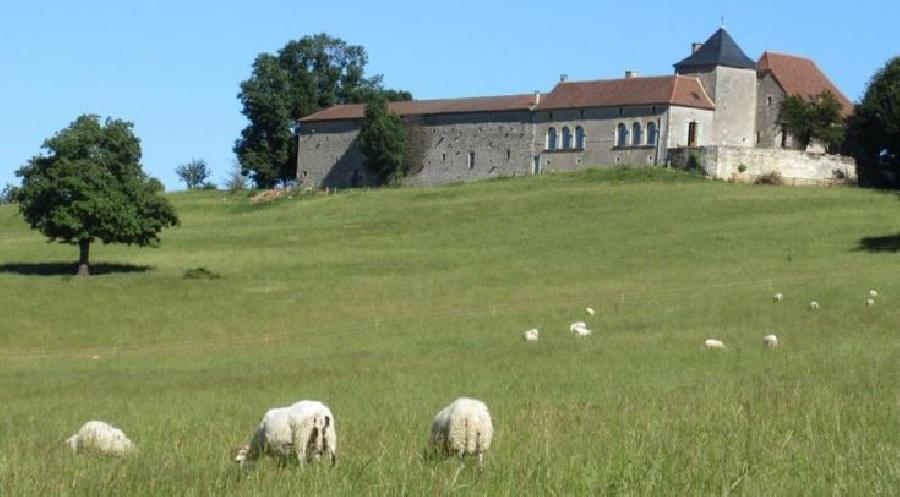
[692, 134]
[621, 111]
[757, 137]
[566, 138]
[621, 135]
[508, 154]
[783, 138]
[579, 137]
[651, 133]
[636, 134]
[768, 100]
[443, 158]
[470, 161]
[536, 165]
[551, 139]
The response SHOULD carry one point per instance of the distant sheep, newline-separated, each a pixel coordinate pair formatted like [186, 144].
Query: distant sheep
[714, 344]
[813, 305]
[873, 294]
[462, 428]
[589, 311]
[305, 429]
[582, 332]
[870, 302]
[100, 437]
[576, 325]
[531, 335]
[770, 341]
[778, 297]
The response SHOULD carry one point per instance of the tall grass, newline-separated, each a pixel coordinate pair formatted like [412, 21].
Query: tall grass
[389, 304]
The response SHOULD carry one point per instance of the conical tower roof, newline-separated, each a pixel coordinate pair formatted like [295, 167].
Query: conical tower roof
[719, 50]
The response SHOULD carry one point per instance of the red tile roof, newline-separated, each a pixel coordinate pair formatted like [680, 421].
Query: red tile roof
[418, 107]
[800, 76]
[675, 90]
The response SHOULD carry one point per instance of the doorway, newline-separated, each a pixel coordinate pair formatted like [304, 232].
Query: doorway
[692, 134]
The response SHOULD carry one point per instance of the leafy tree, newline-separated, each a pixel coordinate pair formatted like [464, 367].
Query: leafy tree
[194, 173]
[305, 76]
[237, 178]
[90, 186]
[382, 141]
[817, 119]
[8, 194]
[875, 125]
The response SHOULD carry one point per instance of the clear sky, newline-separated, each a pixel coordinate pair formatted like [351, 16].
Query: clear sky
[173, 67]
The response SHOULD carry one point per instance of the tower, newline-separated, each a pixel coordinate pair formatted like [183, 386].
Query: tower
[729, 77]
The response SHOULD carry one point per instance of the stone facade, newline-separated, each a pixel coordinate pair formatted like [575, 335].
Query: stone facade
[723, 162]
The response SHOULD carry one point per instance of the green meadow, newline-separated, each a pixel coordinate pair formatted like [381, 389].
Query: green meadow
[388, 304]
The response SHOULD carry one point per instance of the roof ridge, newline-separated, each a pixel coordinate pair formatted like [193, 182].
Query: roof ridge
[604, 80]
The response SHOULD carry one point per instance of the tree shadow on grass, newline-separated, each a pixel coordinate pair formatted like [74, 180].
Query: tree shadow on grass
[68, 268]
[887, 243]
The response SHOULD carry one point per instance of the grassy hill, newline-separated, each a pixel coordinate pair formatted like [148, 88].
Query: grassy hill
[389, 304]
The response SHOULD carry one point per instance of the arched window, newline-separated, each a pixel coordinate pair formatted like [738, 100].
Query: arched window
[566, 138]
[579, 137]
[621, 135]
[651, 133]
[551, 139]
[636, 134]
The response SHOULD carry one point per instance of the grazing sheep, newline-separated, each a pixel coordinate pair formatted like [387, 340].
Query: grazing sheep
[531, 335]
[100, 437]
[813, 305]
[714, 344]
[582, 332]
[576, 325]
[462, 428]
[305, 428]
[770, 341]
[873, 294]
[589, 311]
[778, 297]
[870, 302]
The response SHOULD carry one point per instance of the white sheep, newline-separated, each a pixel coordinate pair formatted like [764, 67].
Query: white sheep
[870, 302]
[714, 344]
[813, 305]
[590, 311]
[100, 437]
[531, 335]
[576, 325]
[873, 294]
[770, 341]
[305, 429]
[462, 428]
[778, 297]
[582, 332]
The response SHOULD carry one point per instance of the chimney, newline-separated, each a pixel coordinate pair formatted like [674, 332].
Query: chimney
[563, 78]
[631, 74]
[695, 47]
[537, 97]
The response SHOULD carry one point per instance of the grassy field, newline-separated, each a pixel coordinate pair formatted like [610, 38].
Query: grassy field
[389, 304]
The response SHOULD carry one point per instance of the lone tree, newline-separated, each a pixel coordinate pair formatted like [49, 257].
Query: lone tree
[875, 125]
[194, 173]
[305, 76]
[90, 186]
[382, 141]
[817, 119]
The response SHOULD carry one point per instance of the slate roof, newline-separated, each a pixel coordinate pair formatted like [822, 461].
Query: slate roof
[675, 90]
[419, 107]
[800, 76]
[719, 50]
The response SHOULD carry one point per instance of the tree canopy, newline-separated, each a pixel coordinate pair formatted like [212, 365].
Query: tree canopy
[875, 126]
[305, 76]
[89, 185]
[382, 141]
[816, 119]
[193, 174]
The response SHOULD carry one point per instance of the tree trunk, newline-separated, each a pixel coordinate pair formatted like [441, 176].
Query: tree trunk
[84, 249]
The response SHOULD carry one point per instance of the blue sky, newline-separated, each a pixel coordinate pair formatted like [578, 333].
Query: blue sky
[174, 67]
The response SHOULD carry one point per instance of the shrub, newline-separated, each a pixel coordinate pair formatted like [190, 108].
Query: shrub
[742, 168]
[770, 178]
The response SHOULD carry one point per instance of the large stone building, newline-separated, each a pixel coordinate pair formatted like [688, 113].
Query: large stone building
[719, 102]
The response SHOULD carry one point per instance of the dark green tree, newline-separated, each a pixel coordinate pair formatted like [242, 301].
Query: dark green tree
[89, 185]
[382, 141]
[305, 76]
[875, 125]
[816, 119]
[194, 173]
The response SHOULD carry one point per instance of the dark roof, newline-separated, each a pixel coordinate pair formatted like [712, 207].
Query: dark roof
[419, 107]
[675, 90]
[800, 76]
[719, 50]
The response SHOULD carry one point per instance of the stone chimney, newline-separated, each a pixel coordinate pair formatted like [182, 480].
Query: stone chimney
[563, 78]
[631, 74]
[537, 97]
[695, 47]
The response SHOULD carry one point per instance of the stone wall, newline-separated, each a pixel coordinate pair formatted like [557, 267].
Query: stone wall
[723, 162]
[328, 156]
[768, 102]
[735, 115]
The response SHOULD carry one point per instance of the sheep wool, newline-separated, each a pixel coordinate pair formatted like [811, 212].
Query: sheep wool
[813, 305]
[462, 428]
[100, 437]
[770, 341]
[576, 325]
[873, 294]
[305, 429]
[714, 344]
[870, 302]
[590, 311]
[531, 335]
[778, 297]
